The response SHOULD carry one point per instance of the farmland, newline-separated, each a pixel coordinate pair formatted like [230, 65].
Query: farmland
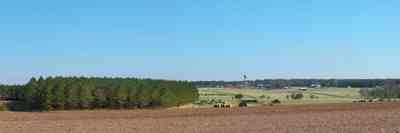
[311, 118]
[327, 110]
[311, 95]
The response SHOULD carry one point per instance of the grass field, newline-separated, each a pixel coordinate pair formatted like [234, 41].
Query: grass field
[323, 95]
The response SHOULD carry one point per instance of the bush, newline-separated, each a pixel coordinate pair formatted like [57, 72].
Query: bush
[212, 101]
[3, 107]
[313, 96]
[276, 101]
[242, 104]
[297, 96]
[219, 101]
[169, 99]
[362, 101]
[202, 102]
[239, 96]
[381, 100]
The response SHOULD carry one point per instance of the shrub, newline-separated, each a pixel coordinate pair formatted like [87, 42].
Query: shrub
[313, 96]
[381, 100]
[297, 96]
[212, 101]
[276, 101]
[239, 96]
[203, 102]
[3, 107]
[242, 104]
[169, 99]
[220, 101]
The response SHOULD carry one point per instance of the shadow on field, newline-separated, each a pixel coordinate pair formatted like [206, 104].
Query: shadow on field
[16, 106]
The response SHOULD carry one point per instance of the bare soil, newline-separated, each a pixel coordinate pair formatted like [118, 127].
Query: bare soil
[324, 118]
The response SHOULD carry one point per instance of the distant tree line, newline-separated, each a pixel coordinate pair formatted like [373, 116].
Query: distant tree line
[390, 89]
[64, 93]
[281, 83]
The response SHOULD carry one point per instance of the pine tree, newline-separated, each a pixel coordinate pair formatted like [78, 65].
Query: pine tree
[72, 96]
[100, 100]
[29, 94]
[132, 96]
[168, 98]
[156, 97]
[85, 95]
[58, 100]
[144, 96]
[48, 95]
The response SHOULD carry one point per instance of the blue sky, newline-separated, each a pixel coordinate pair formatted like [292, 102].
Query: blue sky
[199, 40]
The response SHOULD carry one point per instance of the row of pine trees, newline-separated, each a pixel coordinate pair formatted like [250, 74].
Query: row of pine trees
[70, 93]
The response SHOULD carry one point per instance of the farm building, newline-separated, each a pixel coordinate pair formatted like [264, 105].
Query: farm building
[315, 85]
[263, 86]
[303, 89]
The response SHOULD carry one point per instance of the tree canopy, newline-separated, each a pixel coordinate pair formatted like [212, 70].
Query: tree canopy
[61, 93]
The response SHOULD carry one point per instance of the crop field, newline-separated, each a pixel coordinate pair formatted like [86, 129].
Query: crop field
[310, 118]
[311, 95]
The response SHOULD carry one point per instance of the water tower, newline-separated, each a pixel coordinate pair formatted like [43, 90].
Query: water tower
[245, 82]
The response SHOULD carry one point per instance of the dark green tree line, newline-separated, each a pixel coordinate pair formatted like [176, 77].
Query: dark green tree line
[61, 93]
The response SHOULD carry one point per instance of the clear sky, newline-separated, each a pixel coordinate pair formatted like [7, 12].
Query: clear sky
[199, 39]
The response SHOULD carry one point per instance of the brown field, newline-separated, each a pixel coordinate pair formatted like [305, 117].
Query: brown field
[327, 118]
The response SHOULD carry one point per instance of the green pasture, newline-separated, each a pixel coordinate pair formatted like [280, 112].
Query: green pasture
[311, 95]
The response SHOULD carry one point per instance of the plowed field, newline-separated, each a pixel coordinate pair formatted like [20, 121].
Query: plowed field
[325, 118]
